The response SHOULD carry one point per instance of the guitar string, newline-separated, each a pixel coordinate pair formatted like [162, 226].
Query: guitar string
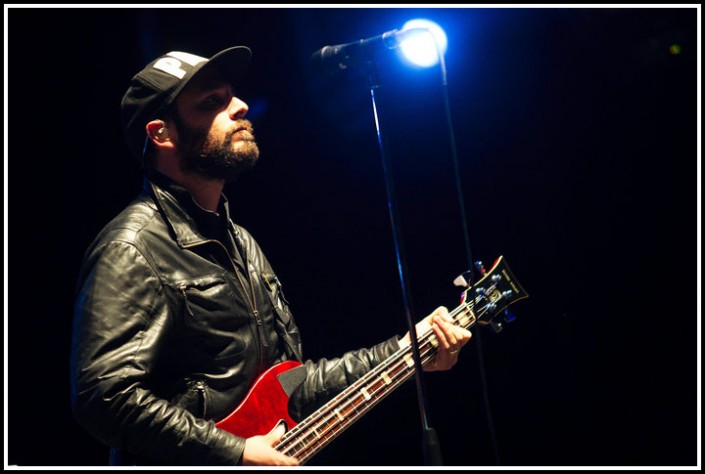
[306, 452]
[398, 370]
[348, 399]
[331, 426]
[401, 375]
[345, 400]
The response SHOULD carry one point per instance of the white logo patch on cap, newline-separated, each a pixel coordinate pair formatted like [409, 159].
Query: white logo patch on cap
[172, 65]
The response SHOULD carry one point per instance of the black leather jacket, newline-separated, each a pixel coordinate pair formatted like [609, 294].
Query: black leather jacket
[171, 328]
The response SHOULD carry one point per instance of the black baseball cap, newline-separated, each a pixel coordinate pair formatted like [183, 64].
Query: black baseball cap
[156, 86]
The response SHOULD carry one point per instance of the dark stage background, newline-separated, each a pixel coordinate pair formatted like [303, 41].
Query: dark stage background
[576, 132]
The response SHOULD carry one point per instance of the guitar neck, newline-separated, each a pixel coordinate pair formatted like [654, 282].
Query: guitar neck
[324, 425]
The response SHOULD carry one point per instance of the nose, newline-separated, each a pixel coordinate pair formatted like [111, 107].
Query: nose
[237, 109]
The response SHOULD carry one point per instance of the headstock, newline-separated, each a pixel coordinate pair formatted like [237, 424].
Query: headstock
[492, 294]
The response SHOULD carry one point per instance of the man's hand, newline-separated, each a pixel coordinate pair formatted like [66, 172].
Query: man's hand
[450, 338]
[259, 450]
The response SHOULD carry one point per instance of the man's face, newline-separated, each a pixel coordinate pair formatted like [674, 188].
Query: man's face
[214, 139]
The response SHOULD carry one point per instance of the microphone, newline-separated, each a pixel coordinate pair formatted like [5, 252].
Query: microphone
[333, 59]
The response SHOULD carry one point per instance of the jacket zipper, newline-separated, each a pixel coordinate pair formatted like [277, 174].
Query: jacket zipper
[259, 334]
[201, 388]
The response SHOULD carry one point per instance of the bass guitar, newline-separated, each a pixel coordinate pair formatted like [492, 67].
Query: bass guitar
[266, 404]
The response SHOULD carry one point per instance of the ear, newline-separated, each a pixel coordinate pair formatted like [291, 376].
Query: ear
[158, 132]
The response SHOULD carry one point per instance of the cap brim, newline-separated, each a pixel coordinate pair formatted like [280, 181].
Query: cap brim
[231, 62]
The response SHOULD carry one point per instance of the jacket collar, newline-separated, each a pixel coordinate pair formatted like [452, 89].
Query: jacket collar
[190, 223]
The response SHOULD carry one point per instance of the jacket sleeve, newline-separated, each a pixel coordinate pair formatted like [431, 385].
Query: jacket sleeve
[121, 321]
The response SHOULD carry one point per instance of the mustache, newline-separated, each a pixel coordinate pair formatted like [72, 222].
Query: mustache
[239, 126]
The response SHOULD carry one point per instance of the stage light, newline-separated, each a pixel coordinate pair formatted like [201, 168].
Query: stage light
[422, 49]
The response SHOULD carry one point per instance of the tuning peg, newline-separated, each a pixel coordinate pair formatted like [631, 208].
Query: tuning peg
[496, 325]
[463, 280]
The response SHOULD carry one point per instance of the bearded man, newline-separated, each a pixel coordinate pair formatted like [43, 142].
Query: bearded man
[178, 311]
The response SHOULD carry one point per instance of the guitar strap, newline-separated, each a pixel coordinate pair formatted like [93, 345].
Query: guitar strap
[291, 347]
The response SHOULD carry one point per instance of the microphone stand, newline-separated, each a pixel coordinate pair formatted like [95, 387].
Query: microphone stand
[431, 444]
[466, 241]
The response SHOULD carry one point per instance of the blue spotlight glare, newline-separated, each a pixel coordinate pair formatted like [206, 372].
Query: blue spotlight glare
[422, 49]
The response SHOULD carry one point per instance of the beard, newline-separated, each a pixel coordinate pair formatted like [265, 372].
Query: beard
[225, 158]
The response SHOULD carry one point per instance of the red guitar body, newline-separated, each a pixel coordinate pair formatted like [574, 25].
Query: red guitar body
[264, 406]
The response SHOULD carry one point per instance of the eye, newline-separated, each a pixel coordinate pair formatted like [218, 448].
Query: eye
[212, 102]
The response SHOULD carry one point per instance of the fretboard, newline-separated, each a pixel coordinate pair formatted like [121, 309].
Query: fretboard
[329, 421]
